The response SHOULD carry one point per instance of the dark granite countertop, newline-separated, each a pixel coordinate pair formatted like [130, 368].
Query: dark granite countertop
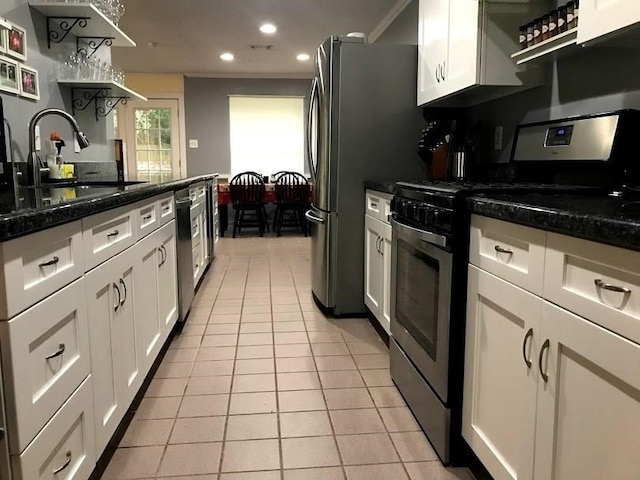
[596, 217]
[386, 187]
[28, 209]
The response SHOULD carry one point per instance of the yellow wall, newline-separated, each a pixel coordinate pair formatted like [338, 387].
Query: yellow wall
[150, 83]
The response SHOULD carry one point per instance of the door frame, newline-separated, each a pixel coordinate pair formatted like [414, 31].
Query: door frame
[123, 125]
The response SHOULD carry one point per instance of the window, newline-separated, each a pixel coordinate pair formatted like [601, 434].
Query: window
[266, 134]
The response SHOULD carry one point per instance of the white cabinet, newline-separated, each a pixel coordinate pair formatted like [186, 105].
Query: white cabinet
[462, 45]
[599, 18]
[112, 333]
[501, 375]
[377, 251]
[550, 395]
[588, 408]
[156, 293]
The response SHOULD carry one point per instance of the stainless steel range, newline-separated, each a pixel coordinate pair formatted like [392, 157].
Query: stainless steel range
[430, 255]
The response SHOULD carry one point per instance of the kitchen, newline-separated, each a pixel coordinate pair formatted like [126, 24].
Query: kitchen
[569, 88]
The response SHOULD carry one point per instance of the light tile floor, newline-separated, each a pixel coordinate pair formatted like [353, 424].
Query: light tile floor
[261, 385]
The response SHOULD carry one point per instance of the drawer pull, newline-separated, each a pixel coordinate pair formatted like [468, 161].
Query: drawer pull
[53, 261]
[499, 249]
[373, 206]
[124, 287]
[166, 208]
[543, 374]
[57, 353]
[612, 288]
[527, 361]
[164, 254]
[115, 233]
[118, 303]
[147, 217]
[55, 471]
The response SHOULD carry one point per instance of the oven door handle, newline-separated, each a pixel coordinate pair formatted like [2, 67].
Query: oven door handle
[423, 235]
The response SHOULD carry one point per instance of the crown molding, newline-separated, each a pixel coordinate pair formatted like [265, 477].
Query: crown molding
[388, 19]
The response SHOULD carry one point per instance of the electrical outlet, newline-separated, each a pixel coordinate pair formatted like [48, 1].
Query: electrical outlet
[193, 143]
[497, 138]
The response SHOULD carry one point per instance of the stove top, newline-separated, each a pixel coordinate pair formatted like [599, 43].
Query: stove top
[466, 186]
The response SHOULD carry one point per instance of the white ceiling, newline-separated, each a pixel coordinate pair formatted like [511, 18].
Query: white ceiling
[190, 35]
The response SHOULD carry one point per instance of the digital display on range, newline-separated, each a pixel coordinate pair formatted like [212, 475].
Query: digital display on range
[559, 136]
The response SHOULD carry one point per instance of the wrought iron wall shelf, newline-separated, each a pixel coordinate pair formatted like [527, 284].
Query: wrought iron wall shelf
[103, 95]
[92, 28]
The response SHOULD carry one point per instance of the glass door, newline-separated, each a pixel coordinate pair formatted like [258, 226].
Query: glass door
[153, 140]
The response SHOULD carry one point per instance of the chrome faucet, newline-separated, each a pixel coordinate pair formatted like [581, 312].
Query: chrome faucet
[34, 161]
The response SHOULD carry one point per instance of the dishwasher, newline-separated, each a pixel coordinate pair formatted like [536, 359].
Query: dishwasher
[184, 254]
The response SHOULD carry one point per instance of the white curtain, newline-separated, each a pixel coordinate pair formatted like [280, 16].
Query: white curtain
[266, 134]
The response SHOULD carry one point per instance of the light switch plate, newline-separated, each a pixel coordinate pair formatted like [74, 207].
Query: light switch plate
[193, 143]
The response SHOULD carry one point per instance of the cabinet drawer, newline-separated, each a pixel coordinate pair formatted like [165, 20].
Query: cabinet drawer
[66, 444]
[599, 282]
[148, 215]
[166, 208]
[197, 261]
[195, 229]
[37, 265]
[378, 205]
[201, 192]
[45, 356]
[107, 234]
[512, 252]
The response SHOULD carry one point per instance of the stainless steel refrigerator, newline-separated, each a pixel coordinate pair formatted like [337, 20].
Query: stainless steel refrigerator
[363, 124]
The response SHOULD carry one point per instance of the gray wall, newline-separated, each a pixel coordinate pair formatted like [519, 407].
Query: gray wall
[593, 80]
[18, 110]
[207, 116]
[404, 29]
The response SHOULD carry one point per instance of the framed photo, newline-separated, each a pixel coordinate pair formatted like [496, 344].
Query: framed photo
[4, 35]
[17, 43]
[9, 75]
[29, 86]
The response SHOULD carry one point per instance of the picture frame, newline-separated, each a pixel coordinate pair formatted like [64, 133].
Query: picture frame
[9, 75]
[16, 43]
[4, 35]
[29, 85]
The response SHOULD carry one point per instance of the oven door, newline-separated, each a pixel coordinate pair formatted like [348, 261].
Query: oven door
[420, 301]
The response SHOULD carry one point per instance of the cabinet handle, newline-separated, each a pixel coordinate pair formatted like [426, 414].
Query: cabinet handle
[527, 361]
[163, 254]
[543, 374]
[115, 233]
[161, 257]
[381, 249]
[53, 261]
[117, 305]
[124, 287]
[437, 73]
[499, 249]
[55, 471]
[442, 70]
[147, 217]
[57, 353]
[612, 288]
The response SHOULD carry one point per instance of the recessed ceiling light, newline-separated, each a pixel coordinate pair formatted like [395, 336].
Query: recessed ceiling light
[303, 57]
[268, 28]
[227, 57]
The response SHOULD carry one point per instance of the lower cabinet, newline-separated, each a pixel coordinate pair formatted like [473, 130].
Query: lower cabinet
[115, 360]
[548, 395]
[65, 447]
[156, 306]
[377, 265]
[501, 374]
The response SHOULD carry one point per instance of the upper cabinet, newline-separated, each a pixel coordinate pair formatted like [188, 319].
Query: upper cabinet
[464, 45]
[599, 18]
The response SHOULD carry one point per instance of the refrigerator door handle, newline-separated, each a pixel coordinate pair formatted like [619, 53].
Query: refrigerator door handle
[312, 218]
[313, 96]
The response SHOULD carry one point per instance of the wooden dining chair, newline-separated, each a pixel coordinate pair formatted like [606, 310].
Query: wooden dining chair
[292, 200]
[247, 192]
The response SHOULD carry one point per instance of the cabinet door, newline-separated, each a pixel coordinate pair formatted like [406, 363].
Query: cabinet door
[433, 34]
[501, 375]
[114, 364]
[149, 327]
[372, 265]
[601, 17]
[168, 279]
[204, 237]
[385, 248]
[461, 67]
[589, 409]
